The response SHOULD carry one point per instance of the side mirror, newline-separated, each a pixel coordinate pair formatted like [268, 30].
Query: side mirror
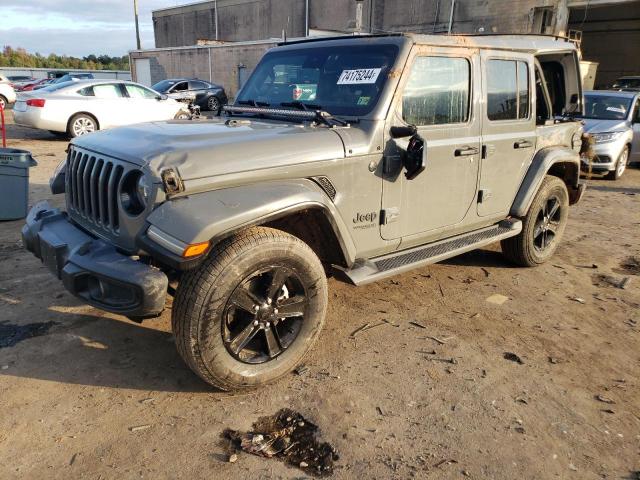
[414, 158]
[403, 131]
[162, 96]
[574, 99]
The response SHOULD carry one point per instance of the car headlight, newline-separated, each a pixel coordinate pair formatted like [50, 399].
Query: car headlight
[135, 193]
[606, 137]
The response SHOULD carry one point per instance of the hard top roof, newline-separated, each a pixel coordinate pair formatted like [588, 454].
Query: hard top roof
[612, 93]
[523, 43]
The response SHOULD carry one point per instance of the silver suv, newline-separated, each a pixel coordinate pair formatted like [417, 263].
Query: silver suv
[362, 157]
[613, 120]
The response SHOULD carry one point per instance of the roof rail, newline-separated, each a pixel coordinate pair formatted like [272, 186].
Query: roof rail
[340, 37]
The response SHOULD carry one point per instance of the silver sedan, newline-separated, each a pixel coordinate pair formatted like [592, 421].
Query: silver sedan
[81, 107]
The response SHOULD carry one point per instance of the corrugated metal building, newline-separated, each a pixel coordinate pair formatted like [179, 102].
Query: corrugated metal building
[610, 29]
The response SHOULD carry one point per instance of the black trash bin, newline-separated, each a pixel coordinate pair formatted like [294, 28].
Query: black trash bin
[14, 183]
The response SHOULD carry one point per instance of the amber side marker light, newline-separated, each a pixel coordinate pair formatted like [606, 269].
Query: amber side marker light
[195, 249]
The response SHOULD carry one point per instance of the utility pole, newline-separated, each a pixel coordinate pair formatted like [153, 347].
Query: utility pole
[135, 11]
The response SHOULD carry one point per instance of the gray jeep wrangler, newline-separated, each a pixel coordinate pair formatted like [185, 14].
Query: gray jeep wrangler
[359, 156]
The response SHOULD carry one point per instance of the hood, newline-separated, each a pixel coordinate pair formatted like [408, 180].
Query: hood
[593, 125]
[200, 149]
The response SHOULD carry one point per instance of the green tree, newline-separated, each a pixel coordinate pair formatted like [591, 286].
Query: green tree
[19, 57]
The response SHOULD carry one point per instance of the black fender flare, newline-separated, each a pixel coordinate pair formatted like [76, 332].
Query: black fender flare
[560, 161]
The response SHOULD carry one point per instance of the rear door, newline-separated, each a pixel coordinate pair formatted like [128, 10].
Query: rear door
[508, 129]
[199, 89]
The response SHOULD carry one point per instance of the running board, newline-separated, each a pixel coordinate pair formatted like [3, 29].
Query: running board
[398, 262]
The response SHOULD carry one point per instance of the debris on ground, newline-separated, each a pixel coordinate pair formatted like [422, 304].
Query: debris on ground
[513, 357]
[497, 299]
[416, 324]
[604, 399]
[139, 428]
[631, 265]
[368, 326]
[233, 458]
[288, 436]
[578, 299]
[602, 280]
[301, 370]
[12, 334]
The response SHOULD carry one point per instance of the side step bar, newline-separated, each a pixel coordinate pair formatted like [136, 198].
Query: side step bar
[398, 262]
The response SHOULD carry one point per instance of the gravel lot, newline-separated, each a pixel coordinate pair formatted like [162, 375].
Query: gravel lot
[427, 394]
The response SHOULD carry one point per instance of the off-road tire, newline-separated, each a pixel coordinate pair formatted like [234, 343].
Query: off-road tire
[521, 249]
[621, 165]
[201, 300]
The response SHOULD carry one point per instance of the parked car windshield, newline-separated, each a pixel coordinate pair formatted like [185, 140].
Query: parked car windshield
[606, 107]
[342, 80]
[627, 83]
[164, 85]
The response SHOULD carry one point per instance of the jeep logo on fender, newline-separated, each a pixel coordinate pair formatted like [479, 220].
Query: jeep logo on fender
[365, 217]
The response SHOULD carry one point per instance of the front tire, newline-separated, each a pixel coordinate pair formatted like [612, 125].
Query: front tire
[621, 165]
[542, 227]
[250, 313]
[82, 124]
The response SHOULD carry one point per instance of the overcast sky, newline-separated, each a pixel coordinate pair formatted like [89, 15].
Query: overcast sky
[77, 27]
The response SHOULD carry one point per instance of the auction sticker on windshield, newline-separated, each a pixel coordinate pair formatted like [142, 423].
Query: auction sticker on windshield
[362, 75]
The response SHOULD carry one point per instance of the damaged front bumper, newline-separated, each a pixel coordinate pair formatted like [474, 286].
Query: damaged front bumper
[92, 269]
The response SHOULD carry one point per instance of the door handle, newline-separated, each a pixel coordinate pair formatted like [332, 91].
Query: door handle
[522, 144]
[466, 151]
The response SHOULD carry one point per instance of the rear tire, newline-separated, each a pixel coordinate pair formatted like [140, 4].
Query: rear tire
[621, 165]
[213, 105]
[251, 312]
[542, 227]
[3, 102]
[82, 124]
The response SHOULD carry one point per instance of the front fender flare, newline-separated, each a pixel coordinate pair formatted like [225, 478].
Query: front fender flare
[542, 162]
[214, 215]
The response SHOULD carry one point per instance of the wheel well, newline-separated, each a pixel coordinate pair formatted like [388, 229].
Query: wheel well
[314, 228]
[82, 113]
[569, 172]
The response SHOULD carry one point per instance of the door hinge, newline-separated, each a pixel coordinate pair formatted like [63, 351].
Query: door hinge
[484, 195]
[389, 215]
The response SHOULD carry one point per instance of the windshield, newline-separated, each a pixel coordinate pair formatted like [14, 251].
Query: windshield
[164, 85]
[627, 83]
[56, 86]
[340, 80]
[606, 107]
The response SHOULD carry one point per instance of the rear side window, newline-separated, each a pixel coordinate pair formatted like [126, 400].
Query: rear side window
[86, 92]
[107, 91]
[198, 85]
[437, 92]
[507, 90]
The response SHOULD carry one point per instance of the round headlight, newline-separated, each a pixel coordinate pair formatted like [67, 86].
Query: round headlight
[144, 190]
[135, 193]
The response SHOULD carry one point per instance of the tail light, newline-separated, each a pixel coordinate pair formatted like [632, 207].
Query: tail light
[36, 102]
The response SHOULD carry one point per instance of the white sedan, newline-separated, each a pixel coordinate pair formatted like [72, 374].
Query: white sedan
[81, 107]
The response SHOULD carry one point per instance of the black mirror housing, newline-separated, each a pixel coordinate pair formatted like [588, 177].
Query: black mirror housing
[403, 131]
[414, 158]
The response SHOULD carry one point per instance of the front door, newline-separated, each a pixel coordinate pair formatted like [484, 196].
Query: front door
[508, 129]
[438, 96]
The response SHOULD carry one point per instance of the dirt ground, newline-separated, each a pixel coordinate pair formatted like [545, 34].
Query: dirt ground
[427, 394]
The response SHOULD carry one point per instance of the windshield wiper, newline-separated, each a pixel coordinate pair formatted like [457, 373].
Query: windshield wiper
[301, 105]
[254, 103]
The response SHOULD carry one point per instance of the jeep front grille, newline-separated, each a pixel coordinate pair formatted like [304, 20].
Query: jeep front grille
[92, 188]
